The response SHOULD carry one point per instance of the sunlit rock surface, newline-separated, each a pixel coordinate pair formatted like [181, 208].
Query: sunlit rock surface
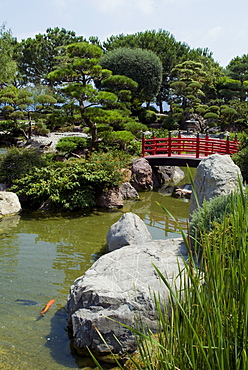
[9, 203]
[216, 175]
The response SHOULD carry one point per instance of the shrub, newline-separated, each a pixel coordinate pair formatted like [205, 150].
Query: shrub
[169, 123]
[16, 163]
[135, 128]
[147, 117]
[204, 218]
[70, 143]
[72, 184]
[241, 159]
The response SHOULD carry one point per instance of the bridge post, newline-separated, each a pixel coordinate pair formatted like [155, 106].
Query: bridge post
[227, 145]
[143, 145]
[179, 137]
[154, 145]
[198, 145]
[206, 144]
[169, 145]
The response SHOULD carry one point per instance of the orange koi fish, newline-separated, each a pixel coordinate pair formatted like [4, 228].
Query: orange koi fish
[47, 306]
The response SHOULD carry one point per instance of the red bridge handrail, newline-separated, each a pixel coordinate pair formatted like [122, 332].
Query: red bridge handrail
[188, 145]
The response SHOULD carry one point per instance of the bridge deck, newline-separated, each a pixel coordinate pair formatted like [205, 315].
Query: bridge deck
[174, 160]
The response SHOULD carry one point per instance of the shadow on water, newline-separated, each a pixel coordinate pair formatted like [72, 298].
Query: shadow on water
[59, 344]
[57, 341]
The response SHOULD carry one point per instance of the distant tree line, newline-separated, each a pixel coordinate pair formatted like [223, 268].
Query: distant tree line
[59, 80]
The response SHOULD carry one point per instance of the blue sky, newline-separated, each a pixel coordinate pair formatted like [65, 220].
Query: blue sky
[220, 25]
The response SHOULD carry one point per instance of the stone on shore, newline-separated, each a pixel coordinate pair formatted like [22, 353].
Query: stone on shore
[128, 191]
[216, 175]
[129, 229]
[141, 175]
[111, 198]
[9, 203]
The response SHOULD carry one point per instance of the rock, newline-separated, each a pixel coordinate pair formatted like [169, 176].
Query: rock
[129, 229]
[120, 286]
[9, 203]
[141, 175]
[128, 191]
[216, 175]
[183, 191]
[166, 175]
[111, 198]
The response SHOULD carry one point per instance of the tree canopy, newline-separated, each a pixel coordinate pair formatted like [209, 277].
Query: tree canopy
[36, 57]
[78, 69]
[237, 70]
[142, 66]
[7, 65]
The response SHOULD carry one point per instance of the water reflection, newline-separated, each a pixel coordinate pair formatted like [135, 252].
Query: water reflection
[40, 257]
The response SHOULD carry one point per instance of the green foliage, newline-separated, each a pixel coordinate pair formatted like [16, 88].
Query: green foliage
[211, 115]
[79, 68]
[7, 64]
[14, 103]
[213, 211]
[190, 76]
[142, 66]
[135, 127]
[6, 125]
[169, 122]
[147, 116]
[165, 46]
[160, 132]
[41, 128]
[241, 159]
[237, 70]
[36, 57]
[72, 184]
[70, 143]
[120, 140]
[16, 163]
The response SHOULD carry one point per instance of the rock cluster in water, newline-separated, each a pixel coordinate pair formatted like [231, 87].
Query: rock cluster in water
[119, 288]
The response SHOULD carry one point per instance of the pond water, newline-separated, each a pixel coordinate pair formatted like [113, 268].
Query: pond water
[40, 257]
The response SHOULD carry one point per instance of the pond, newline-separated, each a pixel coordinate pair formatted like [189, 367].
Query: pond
[40, 257]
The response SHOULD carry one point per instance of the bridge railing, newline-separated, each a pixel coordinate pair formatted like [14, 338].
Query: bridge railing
[185, 145]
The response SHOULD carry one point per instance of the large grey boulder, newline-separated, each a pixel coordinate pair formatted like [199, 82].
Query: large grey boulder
[120, 286]
[129, 229]
[9, 203]
[141, 175]
[216, 175]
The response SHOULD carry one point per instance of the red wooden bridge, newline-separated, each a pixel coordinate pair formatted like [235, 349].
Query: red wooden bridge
[182, 151]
